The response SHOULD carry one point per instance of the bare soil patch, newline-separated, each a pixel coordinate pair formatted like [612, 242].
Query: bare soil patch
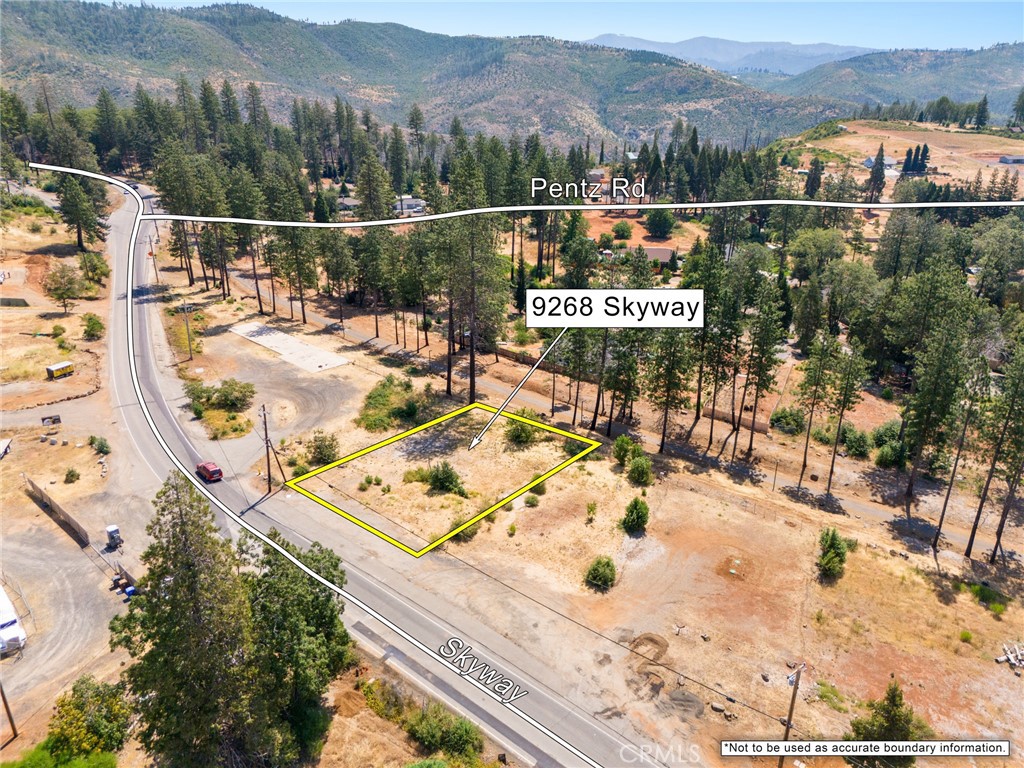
[383, 480]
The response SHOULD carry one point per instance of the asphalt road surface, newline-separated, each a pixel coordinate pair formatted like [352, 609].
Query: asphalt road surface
[376, 576]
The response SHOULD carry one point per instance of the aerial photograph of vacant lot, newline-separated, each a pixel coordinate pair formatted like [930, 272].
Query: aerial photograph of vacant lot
[290, 478]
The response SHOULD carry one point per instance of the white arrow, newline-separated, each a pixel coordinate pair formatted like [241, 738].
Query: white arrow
[476, 440]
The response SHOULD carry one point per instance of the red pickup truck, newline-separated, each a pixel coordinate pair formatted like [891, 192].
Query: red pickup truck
[209, 472]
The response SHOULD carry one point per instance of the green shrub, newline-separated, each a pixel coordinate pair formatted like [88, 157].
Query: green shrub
[601, 574]
[636, 517]
[824, 435]
[622, 448]
[998, 609]
[891, 455]
[233, 395]
[788, 420]
[377, 480]
[418, 475]
[101, 446]
[887, 393]
[531, 500]
[363, 485]
[71, 476]
[322, 448]
[622, 230]
[518, 433]
[858, 444]
[886, 433]
[574, 447]
[299, 469]
[93, 266]
[35, 227]
[966, 636]
[512, 529]
[832, 559]
[591, 511]
[436, 729]
[444, 479]
[58, 331]
[90, 720]
[641, 471]
[467, 533]
[540, 488]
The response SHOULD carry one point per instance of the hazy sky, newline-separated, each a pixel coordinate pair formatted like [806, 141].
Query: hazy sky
[922, 24]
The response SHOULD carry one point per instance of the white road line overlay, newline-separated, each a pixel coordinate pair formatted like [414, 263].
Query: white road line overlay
[139, 218]
[530, 208]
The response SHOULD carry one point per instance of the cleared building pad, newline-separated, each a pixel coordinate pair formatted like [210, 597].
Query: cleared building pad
[293, 350]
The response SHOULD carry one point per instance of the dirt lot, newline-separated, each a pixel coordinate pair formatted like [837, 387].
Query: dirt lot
[724, 555]
[957, 154]
[492, 471]
[27, 337]
[66, 609]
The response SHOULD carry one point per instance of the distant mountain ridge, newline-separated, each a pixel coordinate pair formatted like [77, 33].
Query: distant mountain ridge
[735, 56]
[567, 91]
[884, 77]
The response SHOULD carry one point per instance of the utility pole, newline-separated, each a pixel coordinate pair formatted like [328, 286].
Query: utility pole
[552, 391]
[269, 447]
[794, 680]
[156, 269]
[266, 443]
[185, 309]
[10, 717]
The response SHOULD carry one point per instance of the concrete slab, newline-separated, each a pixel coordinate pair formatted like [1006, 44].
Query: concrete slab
[293, 350]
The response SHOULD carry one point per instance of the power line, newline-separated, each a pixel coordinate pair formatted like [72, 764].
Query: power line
[728, 697]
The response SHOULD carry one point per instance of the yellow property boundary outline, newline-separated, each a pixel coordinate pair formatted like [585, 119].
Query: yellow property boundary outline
[294, 483]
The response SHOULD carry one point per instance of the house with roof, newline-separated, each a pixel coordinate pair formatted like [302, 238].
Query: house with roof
[890, 162]
[1012, 159]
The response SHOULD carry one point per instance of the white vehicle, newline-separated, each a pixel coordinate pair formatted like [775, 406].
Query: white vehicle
[12, 634]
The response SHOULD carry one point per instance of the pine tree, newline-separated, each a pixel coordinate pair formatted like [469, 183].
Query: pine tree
[79, 212]
[1003, 421]
[520, 294]
[667, 374]
[939, 374]
[876, 179]
[816, 385]
[192, 597]
[813, 182]
[981, 114]
[891, 719]
[851, 371]
[767, 334]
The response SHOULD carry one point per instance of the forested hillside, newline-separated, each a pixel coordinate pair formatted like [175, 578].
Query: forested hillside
[925, 313]
[882, 78]
[562, 90]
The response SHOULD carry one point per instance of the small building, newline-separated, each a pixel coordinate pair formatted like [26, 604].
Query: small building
[347, 203]
[1012, 159]
[595, 176]
[890, 162]
[632, 157]
[409, 204]
[60, 370]
[660, 253]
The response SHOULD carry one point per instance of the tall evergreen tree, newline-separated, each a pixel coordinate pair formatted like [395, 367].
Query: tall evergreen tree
[876, 179]
[816, 385]
[667, 373]
[191, 706]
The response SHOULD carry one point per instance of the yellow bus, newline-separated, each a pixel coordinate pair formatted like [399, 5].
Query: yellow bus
[60, 370]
